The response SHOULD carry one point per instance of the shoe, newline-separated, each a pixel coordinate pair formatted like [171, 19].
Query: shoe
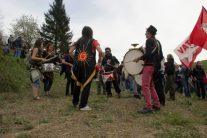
[36, 98]
[86, 108]
[155, 108]
[145, 110]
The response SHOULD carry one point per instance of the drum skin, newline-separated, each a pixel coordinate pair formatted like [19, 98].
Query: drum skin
[138, 79]
[133, 68]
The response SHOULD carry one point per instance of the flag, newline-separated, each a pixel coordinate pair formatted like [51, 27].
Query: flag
[188, 50]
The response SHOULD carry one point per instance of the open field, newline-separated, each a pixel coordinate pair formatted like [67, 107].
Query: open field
[54, 116]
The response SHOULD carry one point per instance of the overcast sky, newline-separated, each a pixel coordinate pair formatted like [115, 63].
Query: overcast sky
[118, 23]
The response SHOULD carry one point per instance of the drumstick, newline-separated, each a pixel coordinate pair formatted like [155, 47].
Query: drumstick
[50, 58]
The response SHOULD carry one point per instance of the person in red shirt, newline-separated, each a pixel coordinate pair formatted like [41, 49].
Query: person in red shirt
[84, 66]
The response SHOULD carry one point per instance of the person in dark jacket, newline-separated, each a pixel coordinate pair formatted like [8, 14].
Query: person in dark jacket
[150, 58]
[110, 64]
[170, 76]
[199, 75]
[67, 64]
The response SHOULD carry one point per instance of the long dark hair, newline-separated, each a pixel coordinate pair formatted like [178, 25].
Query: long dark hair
[38, 43]
[87, 32]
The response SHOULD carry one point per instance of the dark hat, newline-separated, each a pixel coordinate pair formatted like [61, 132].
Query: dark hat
[152, 30]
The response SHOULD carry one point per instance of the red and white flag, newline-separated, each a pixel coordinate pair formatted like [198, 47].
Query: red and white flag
[188, 50]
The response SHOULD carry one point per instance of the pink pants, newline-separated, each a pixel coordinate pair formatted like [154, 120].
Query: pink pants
[148, 88]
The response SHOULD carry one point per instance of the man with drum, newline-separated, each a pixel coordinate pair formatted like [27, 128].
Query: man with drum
[150, 58]
[110, 64]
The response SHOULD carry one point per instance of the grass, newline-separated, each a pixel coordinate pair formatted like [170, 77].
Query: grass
[13, 74]
[55, 116]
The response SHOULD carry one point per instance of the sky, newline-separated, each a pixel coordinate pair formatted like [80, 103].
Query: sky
[117, 23]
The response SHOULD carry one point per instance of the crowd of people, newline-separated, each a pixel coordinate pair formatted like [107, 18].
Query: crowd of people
[18, 47]
[78, 64]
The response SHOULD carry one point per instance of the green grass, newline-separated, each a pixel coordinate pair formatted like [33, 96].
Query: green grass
[176, 119]
[12, 74]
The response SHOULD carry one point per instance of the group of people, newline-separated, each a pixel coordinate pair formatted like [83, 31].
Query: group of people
[18, 46]
[80, 67]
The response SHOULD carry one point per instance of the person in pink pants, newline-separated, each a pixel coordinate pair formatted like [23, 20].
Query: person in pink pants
[151, 60]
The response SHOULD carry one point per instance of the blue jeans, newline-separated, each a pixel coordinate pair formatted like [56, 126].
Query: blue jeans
[186, 87]
[18, 52]
[47, 84]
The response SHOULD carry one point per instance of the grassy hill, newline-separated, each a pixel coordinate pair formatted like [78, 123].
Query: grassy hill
[13, 76]
[55, 117]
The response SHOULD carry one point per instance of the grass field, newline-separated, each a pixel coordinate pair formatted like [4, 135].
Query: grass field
[55, 117]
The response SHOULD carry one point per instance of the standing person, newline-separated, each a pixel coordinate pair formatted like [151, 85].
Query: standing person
[99, 81]
[170, 76]
[149, 57]
[185, 74]
[110, 64]
[158, 77]
[10, 41]
[36, 60]
[178, 74]
[199, 75]
[48, 76]
[84, 66]
[67, 64]
[18, 46]
[120, 76]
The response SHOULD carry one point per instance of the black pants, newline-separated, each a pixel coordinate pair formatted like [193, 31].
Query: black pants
[108, 87]
[159, 87]
[69, 84]
[47, 84]
[201, 89]
[84, 95]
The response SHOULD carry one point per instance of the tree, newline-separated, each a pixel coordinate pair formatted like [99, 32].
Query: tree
[26, 27]
[56, 27]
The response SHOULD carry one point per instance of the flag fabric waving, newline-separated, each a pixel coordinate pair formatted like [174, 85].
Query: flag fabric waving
[188, 50]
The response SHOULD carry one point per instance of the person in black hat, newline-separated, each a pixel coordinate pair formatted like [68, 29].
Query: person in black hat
[152, 62]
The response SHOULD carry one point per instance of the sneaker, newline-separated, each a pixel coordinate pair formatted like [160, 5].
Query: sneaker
[36, 98]
[86, 108]
[145, 111]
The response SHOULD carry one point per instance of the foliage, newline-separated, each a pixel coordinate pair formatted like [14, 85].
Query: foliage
[26, 27]
[56, 27]
[13, 74]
